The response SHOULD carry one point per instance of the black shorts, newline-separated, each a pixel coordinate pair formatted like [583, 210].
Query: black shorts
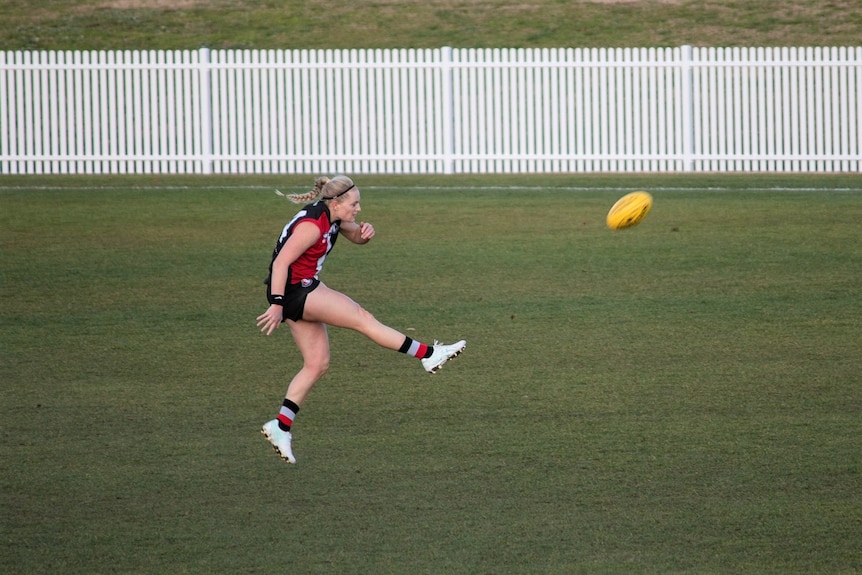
[294, 298]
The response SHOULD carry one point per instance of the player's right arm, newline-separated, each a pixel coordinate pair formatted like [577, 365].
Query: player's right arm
[304, 235]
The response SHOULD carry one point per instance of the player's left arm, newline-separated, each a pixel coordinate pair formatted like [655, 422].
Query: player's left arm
[358, 233]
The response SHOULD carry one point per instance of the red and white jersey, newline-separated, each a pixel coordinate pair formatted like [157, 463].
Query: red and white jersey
[309, 264]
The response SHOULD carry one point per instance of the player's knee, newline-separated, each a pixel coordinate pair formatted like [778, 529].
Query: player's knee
[318, 366]
[366, 316]
[366, 321]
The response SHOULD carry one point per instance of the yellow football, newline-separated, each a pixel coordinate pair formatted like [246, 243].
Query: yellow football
[629, 210]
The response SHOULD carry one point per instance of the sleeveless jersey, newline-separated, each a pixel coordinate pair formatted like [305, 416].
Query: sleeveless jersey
[308, 265]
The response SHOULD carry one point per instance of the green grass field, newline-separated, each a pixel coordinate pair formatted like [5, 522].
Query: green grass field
[239, 24]
[681, 397]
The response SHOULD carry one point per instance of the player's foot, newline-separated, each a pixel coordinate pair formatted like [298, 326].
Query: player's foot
[442, 354]
[279, 439]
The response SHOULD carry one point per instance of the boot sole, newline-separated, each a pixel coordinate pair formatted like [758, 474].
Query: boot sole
[448, 359]
[274, 447]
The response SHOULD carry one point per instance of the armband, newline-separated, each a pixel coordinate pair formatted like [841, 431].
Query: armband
[276, 300]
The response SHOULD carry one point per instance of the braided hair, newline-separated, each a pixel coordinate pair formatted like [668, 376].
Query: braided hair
[324, 188]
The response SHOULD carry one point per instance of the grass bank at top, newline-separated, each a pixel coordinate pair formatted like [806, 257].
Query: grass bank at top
[233, 24]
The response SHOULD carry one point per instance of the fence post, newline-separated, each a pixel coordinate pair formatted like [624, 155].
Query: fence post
[448, 110]
[205, 111]
[687, 109]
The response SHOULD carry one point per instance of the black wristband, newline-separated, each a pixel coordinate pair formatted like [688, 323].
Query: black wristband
[276, 300]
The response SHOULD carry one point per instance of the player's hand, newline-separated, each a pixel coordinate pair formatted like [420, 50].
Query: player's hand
[269, 320]
[366, 231]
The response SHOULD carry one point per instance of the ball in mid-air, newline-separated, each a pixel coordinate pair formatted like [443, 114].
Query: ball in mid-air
[630, 210]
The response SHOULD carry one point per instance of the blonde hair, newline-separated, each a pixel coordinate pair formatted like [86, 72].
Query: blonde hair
[324, 189]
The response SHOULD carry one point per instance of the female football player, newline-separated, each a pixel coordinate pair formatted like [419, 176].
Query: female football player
[297, 297]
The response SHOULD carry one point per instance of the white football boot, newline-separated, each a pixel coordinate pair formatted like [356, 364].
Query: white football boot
[279, 439]
[442, 354]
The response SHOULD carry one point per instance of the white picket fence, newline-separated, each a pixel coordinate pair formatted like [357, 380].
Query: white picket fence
[432, 111]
